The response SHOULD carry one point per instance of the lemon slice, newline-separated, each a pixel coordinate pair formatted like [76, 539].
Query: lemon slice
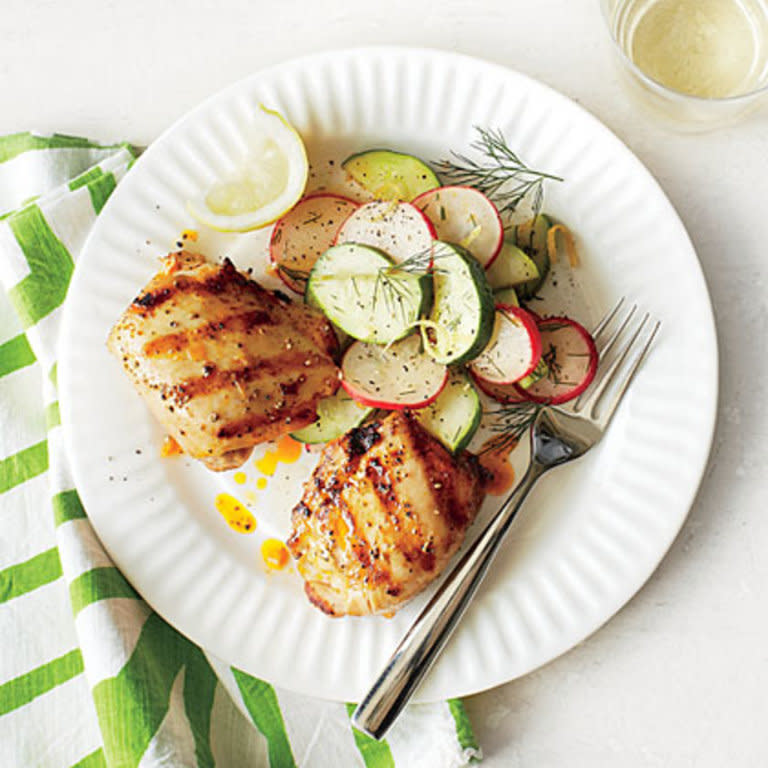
[269, 182]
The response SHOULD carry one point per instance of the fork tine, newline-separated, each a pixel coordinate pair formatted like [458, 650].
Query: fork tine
[629, 374]
[615, 337]
[596, 393]
[605, 322]
[602, 326]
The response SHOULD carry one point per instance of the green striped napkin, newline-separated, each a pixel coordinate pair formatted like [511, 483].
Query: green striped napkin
[89, 674]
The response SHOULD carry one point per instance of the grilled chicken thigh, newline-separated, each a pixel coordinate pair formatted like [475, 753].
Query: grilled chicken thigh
[223, 363]
[384, 511]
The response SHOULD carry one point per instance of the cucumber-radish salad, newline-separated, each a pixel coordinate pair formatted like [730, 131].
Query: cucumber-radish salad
[431, 290]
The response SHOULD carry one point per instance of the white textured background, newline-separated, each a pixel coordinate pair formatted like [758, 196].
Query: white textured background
[679, 677]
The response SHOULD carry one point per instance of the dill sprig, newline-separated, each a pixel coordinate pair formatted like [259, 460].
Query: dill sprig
[393, 290]
[509, 423]
[420, 263]
[390, 280]
[501, 175]
[293, 274]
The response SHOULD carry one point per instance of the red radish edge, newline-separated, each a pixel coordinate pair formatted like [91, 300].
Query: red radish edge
[372, 402]
[501, 393]
[532, 327]
[570, 394]
[313, 196]
[477, 191]
[430, 225]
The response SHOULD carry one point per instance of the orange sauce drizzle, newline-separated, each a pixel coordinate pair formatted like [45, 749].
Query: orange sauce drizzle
[502, 473]
[170, 448]
[237, 516]
[275, 554]
[286, 451]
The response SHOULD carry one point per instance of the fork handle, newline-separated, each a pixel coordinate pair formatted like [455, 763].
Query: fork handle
[423, 642]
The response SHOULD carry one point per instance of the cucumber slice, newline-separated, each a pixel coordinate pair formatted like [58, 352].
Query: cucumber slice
[511, 268]
[355, 288]
[461, 321]
[455, 416]
[506, 296]
[342, 336]
[531, 237]
[336, 415]
[391, 175]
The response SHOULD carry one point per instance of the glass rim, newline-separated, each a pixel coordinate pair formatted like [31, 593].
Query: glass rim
[665, 89]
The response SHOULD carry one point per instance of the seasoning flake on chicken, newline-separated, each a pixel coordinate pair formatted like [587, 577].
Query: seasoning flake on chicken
[223, 363]
[384, 511]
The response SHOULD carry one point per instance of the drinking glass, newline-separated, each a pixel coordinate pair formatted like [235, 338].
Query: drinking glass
[696, 63]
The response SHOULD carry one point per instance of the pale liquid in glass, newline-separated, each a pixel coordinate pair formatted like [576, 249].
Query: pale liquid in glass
[705, 48]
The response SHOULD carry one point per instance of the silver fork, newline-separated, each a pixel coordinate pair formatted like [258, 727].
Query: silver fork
[558, 435]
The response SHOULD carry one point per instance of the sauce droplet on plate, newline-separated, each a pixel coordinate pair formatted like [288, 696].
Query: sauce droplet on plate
[237, 516]
[501, 471]
[286, 451]
[275, 554]
[170, 448]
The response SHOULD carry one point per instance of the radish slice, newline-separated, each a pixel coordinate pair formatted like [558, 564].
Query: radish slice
[398, 229]
[502, 393]
[514, 349]
[467, 217]
[306, 231]
[571, 356]
[398, 376]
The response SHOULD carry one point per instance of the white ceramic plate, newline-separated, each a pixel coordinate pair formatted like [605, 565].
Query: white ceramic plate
[584, 543]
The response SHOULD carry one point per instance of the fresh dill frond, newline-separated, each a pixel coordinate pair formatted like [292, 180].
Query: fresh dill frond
[419, 263]
[554, 366]
[391, 281]
[509, 423]
[500, 175]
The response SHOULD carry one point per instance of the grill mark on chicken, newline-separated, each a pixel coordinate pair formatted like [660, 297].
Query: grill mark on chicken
[412, 543]
[297, 415]
[362, 439]
[214, 379]
[442, 485]
[220, 281]
[352, 551]
[175, 343]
